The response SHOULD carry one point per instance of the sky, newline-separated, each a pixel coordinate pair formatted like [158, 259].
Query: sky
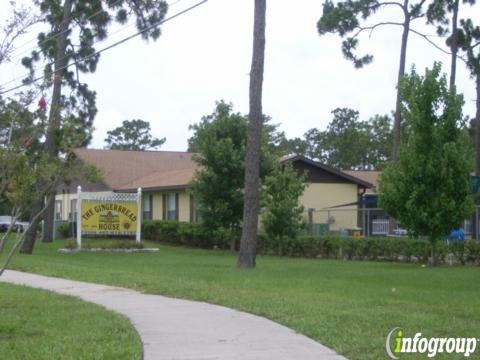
[204, 56]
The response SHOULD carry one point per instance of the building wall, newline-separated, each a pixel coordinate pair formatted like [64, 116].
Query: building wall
[157, 206]
[183, 204]
[157, 203]
[323, 197]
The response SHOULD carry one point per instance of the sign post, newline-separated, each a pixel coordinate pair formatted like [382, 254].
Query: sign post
[79, 217]
[139, 216]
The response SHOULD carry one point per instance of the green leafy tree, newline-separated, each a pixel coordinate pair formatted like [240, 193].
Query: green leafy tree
[296, 145]
[469, 41]
[349, 143]
[428, 189]
[220, 140]
[133, 135]
[27, 173]
[62, 46]
[283, 216]
[349, 20]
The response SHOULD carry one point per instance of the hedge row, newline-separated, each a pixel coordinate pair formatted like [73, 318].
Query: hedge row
[373, 248]
[184, 233]
[325, 246]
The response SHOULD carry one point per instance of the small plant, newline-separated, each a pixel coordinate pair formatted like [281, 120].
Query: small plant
[64, 230]
[283, 215]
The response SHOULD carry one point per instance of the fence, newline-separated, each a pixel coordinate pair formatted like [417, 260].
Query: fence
[368, 222]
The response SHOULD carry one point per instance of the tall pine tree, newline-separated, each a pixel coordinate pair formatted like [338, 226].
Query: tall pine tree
[74, 29]
[346, 18]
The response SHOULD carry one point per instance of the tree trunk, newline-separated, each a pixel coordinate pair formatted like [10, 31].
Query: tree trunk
[55, 108]
[233, 245]
[477, 128]
[248, 241]
[397, 125]
[454, 45]
[49, 220]
[476, 134]
[60, 61]
[31, 234]
[433, 260]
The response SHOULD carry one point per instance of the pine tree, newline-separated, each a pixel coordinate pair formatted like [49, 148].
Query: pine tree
[62, 45]
[345, 18]
[248, 241]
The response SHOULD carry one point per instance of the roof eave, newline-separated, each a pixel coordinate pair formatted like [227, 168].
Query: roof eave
[155, 188]
[331, 170]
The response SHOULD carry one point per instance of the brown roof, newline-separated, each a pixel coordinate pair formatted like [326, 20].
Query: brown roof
[161, 179]
[128, 170]
[342, 174]
[365, 175]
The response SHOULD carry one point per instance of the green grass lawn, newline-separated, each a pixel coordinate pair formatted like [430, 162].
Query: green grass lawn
[348, 306]
[40, 325]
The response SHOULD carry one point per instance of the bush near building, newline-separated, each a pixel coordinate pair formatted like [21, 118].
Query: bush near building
[325, 246]
[374, 248]
[186, 234]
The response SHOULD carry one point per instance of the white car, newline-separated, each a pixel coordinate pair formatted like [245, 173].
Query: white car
[6, 220]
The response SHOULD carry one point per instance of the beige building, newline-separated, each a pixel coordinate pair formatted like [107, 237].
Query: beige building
[165, 176]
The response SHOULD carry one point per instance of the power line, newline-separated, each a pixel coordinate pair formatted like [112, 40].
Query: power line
[56, 35]
[110, 46]
[24, 75]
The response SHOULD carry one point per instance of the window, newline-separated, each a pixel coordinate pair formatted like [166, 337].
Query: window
[194, 214]
[147, 207]
[73, 210]
[172, 210]
[58, 210]
[170, 206]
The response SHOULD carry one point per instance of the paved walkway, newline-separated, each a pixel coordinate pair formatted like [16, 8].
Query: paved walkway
[182, 329]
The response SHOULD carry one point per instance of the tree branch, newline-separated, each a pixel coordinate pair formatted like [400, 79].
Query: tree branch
[19, 240]
[3, 241]
[426, 37]
[392, 3]
[373, 27]
[17, 26]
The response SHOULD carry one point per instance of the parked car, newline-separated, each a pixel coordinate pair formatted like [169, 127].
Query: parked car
[21, 226]
[6, 220]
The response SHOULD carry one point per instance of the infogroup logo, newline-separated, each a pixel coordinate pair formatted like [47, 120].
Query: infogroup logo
[397, 343]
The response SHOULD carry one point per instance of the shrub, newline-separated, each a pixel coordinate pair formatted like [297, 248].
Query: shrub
[472, 252]
[323, 246]
[374, 248]
[185, 234]
[64, 230]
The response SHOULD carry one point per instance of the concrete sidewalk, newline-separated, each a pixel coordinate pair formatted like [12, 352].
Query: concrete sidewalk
[182, 329]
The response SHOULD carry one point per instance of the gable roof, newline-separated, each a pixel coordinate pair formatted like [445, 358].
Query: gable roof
[366, 175]
[129, 169]
[341, 174]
